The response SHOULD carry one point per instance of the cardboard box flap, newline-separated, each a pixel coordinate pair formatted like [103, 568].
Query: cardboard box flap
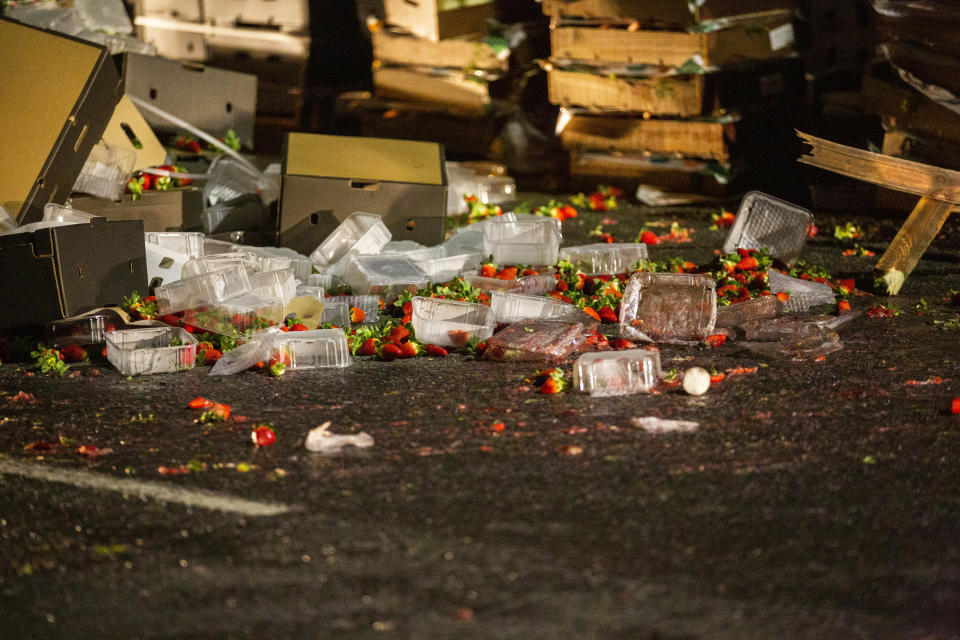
[128, 129]
[48, 121]
[372, 159]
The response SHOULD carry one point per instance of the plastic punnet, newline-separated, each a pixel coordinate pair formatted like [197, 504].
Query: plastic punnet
[362, 233]
[668, 307]
[151, 350]
[617, 373]
[450, 323]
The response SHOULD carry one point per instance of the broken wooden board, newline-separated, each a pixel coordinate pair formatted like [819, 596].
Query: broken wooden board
[939, 190]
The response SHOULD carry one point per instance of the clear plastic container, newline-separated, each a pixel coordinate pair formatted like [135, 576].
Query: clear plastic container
[513, 307]
[190, 243]
[803, 293]
[449, 267]
[239, 316]
[242, 214]
[213, 246]
[324, 280]
[323, 348]
[60, 213]
[227, 179]
[163, 265]
[90, 329]
[275, 284]
[204, 289]
[370, 305]
[617, 373]
[413, 250]
[603, 258]
[466, 240]
[151, 350]
[106, 172]
[385, 276]
[104, 15]
[765, 222]
[536, 341]
[533, 242]
[537, 285]
[361, 233]
[669, 307]
[491, 284]
[450, 323]
[273, 258]
[308, 291]
[219, 261]
[759, 308]
[335, 312]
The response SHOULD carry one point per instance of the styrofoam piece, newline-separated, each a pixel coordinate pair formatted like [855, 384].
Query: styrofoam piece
[617, 373]
[533, 242]
[204, 289]
[513, 307]
[190, 243]
[604, 258]
[89, 329]
[450, 323]
[238, 316]
[323, 348]
[104, 15]
[449, 267]
[370, 305]
[151, 350]
[738, 314]
[536, 340]
[53, 212]
[765, 222]
[537, 284]
[668, 307]
[275, 284]
[361, 233]
[803, 293]
[386, 276]
[217, 261]
[164, 265]
[106, 172]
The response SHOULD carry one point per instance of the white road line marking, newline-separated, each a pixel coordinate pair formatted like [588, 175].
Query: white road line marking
[144, 489]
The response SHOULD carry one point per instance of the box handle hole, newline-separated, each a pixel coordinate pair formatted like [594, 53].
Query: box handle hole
[134, 140]
[365, 185]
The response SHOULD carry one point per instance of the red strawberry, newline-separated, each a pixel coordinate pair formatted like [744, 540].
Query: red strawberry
[552, 385]
[435, 350]
[622, 343]
[200, 403]
[649, 237]
[955, 406]
[299, 327]
[562, 285]
[407, 308]
[529, 272]
[783, 296]
[592, 313]
[390, 352]
[716, 340]
[368, 348]
[73, 353]
[507, 273]
[211, 355]
[488, 270]
[409, 349]
[398, 335]
[747, 264]
[170, 319]
[608, 315]
[843, 306]
[358, 315]
[263, 436]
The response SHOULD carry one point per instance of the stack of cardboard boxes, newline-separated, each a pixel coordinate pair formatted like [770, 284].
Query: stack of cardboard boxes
[266, 38]
[680, 95]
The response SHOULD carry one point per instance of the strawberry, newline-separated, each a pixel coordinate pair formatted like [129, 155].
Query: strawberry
[843, 306]
[608, 315]
[358, 315]
[552, 385]
[73, 353]
[398, 335]
[390, 352]
[528, 272]
[170, 319]
[649, 237]
[747, 264]
[592, 313]
[562, 285]
[435, 350]
[211, 355]
[368, 348]
[498, 426]
[216, 413]
[507, 273]
[783, 296]
[407, 307]
[488, 270]
[263, 436]
[716, 340]
[409, 349]
[622, 343]
[955, 406]
[299, 327]
[200, 403]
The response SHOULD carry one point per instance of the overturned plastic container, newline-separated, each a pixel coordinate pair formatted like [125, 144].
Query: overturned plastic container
[60, 213]
[537, 341]
[446, 268]
[370, 305]
[617, 373]
[361, 233]
[668, 307]
[765, 222]
[190, 243]
[228, 179]
[803, 293]
[89, 329]
[604, 258]
[323, 348]
[275, 284]
[451, 323]
[204, 289]
[510, 307]
[385, 276]
[490, 285]
[239, 316]
[740, 313]
[535, 242]
[151, 350]
[106, 172]
[219, 261]
[413, 250]
[535, 285]
[335, 313]
[164, 265]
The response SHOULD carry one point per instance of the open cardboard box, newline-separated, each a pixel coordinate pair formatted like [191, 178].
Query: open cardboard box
[326, 178]
[172, 210]
[57, 95]
[58, 272]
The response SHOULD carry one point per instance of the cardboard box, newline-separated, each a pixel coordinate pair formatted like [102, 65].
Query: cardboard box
[627, 172]
[457, 53]
[326, 178]
[57, 94]
[128, 129]
[770, 83]
[173, 210]
[438, 20]
[759, 40]
[58, 276]
[454, 92]
[190, 10]
[677, 13]
[289, 15]
[213, 100]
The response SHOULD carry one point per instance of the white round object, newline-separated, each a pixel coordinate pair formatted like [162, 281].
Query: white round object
[696, 381]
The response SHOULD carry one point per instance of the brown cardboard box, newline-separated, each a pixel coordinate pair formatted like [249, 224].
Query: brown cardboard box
[676, 13]
[440, 19]
[457, 53]
[289, 15]
[626, 171]
[128, 129]
[326, 178]
[55, 274]
[56, 97]
[173, 210]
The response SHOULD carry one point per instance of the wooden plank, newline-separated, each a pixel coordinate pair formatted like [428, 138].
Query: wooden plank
[672, 12]
[904, 107]
[679, 95]
[672, 48]
[893, 173]
[612, 133]
[458, 53]
[629, 172]
[910, 243]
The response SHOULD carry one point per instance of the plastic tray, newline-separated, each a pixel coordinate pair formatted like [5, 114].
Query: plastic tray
[450, 323]
[323, 348]
[617, 373]
[152, 350]
[204, 289]
[512, 307]
[386, 276]
[534, 242]
[189, 243]
[239, 316]
[362, 233]
[765, 222]
[669, 307]
[602, 258]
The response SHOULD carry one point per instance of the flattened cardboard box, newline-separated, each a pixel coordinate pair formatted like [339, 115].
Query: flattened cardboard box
[173, 210]
[326, 178]
[57, 95]
[63, 271]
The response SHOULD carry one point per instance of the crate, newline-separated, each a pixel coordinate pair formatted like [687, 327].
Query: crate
[438, 20]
